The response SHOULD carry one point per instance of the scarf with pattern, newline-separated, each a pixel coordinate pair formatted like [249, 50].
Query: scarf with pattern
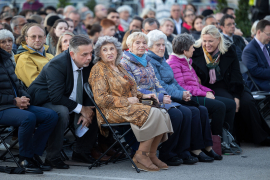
[212, 62]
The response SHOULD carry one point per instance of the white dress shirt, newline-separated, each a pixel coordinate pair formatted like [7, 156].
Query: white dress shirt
[261, 45]
[74, 91]
[178, 25]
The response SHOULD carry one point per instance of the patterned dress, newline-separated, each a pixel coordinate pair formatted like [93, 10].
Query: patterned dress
[111, 92]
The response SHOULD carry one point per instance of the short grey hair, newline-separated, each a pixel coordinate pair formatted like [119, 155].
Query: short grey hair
[132, 37]
[154, 36]
[267, 18]
[79, 40]
[67, 7]
[14, 22]
[207, 17]
[182, 42]
[106, 40]
[5, 34]
[84, 14]
[124, 8]
[164, 20]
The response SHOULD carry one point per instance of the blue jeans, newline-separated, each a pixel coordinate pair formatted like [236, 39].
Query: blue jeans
[31, 141]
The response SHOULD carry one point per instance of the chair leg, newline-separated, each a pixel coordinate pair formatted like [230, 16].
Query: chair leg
[8, 150]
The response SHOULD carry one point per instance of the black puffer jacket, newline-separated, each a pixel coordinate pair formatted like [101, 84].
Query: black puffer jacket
[7, 75]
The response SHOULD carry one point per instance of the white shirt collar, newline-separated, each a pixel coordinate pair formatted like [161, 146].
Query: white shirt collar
[74, 66]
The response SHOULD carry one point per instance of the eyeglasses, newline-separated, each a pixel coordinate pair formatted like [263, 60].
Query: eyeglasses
[189, 15]
[34, 37]
[215, 23]
[268, 34]
[21, 24]
[231, 24]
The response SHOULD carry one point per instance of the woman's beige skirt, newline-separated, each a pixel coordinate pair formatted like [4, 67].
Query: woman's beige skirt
[157, 123]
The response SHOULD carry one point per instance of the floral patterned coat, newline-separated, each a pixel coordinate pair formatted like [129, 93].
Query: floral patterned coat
[111, 92]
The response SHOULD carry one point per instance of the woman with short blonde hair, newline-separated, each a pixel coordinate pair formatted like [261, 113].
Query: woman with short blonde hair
[63, 42]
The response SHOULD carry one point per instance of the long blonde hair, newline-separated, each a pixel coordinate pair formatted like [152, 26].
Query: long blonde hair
[214, 32]
[59, 43]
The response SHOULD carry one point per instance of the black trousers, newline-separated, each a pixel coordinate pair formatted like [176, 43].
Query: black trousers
[221, 110]
[249, 124]
[55, 142]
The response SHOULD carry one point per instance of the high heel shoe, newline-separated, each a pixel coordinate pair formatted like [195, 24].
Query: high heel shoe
[161, 164]
[141, 166]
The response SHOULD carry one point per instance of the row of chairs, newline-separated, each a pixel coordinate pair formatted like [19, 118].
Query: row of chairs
[123, 148]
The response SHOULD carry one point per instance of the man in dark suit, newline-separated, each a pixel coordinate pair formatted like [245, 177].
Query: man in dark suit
[227, 24]
[59, 87]
[256, 57]
[176, 17]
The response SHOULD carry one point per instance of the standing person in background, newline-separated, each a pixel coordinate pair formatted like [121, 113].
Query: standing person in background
[125, 13]
[94, 32]
[197, 27]
[136, 23]
[108, 27]
[76, 18]
[148, 12]
[176, 16]
[189, 17]
[100, 13]
[191, 7]
[60, 26]
[114, 16]
[87, 18]
[230, 11]
[68, 9]
[16, 24]
[70, 24]
[63, 42]
[34, 5]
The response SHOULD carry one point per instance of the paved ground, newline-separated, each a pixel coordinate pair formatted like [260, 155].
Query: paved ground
[252, 164]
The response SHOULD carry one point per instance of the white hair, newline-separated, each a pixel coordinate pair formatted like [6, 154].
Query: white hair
[124, 8]
[267, 18]
[13, 21]
[132, 37]
[103, 41]
[154, 36]
[164, 20]
[67, 7]
[5, 34]
[253, 28]
[146, 11]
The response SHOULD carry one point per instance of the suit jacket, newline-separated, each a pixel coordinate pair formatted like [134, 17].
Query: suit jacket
[239, 45]
[183, 30]
[55, 83]
[229, 68]
[257, 65]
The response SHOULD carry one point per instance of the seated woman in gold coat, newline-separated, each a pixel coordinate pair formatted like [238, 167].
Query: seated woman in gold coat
[115, 92]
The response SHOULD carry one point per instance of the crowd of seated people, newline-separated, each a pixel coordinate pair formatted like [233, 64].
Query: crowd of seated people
[185, 61]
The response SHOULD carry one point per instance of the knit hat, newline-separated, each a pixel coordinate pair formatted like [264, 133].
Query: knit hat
[51, 20]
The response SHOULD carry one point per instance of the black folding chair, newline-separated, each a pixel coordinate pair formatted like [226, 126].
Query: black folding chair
[262, 97]
[3, 136]
[111, 128]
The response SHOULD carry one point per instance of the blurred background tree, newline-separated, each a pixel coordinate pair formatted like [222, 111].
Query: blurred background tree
[91, 5]
[63, 3]
[242, 17]
[221, 4]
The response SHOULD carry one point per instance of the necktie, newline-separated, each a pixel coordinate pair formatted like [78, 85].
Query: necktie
[79, 96]
[266, 55]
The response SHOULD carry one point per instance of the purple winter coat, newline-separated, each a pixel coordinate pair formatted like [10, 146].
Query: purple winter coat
[186, 77]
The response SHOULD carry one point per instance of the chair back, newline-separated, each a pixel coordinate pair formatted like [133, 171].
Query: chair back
[244, 70]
